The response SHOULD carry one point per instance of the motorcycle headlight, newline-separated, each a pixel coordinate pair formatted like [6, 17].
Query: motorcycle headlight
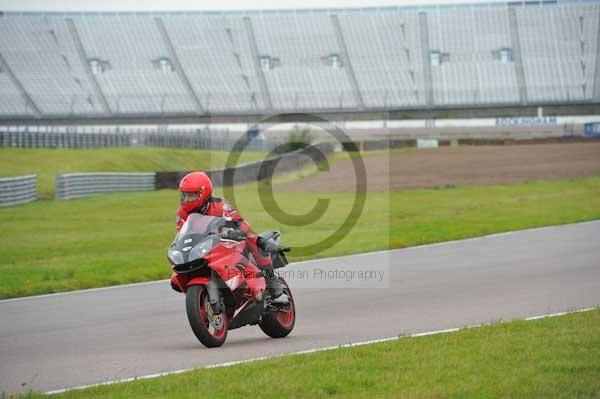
[175, 256]
[200, 250]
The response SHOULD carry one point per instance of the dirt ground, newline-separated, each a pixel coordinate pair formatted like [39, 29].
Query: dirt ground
[457, 166]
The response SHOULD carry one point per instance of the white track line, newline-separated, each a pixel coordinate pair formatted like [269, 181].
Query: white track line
[389, 251]
[323, 349]
[56, 294]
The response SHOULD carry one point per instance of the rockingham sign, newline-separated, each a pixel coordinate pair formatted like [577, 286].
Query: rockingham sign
[536, 121]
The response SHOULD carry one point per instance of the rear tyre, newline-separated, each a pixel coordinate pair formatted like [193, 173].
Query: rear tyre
[280, 322]
[210, 330]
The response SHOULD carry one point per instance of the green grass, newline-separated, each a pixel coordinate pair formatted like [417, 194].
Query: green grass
[48, 163]
[51, 246]
[550, 358]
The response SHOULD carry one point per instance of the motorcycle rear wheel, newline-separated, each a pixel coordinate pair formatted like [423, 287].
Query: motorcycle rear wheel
[199, 314]
[280, 323]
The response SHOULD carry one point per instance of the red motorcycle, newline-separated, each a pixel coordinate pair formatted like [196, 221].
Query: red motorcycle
[224, 287]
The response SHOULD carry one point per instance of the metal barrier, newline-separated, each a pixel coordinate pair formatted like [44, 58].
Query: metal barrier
[26, 139]
[215, 139]
[255, 171]
[18, 190]
[75, 185]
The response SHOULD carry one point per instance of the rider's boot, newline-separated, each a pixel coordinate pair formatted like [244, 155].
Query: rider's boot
[274, 286]
[268, 243]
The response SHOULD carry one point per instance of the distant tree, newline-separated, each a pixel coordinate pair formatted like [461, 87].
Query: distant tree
[297, 139]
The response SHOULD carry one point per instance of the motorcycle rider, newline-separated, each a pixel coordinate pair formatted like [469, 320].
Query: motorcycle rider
[196, 197]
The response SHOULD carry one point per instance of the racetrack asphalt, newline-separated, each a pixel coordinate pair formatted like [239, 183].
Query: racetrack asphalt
[87, 337]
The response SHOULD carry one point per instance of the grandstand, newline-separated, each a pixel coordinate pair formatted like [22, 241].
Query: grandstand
[156, 64]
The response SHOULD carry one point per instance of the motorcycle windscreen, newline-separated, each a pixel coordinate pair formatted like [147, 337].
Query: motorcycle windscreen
[197, 237]
[198, 224]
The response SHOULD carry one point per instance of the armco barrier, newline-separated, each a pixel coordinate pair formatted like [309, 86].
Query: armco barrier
[75, 185]
[372, 145]
[18, 190]
[554, 140]
[255, 171]
[480, 141]
[543, 140]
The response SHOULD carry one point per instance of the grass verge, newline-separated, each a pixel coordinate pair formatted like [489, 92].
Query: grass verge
[555, 357]
[52, 246]
[49, 162]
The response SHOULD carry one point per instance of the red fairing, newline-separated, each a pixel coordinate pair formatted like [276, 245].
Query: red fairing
[256, 284]
[197, 281]
[223, 260]
[180, 281]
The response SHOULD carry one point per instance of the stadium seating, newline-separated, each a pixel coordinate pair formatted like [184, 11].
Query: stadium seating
[472, 74]
[301, 78]
[120, 64]
[559, 46]
[215, 55]
[132, 46]
[387, 57]
[42, 58]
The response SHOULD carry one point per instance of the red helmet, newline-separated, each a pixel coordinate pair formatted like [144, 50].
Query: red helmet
[196, 191]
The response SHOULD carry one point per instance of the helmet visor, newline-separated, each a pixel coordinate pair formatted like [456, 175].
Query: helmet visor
[188, 197]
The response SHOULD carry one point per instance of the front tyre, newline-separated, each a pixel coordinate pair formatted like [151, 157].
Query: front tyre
[280, 320]
[210, 329]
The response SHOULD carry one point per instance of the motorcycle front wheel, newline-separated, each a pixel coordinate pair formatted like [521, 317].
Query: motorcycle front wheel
[210, 329]
[279, 322]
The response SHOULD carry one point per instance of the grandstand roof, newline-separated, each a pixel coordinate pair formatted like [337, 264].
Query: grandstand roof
[212, 8]
[173, 63]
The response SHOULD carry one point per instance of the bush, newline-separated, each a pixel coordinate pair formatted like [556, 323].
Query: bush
[298, 138]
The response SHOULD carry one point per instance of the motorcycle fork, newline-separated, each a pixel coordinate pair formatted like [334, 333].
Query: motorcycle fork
[213, 296]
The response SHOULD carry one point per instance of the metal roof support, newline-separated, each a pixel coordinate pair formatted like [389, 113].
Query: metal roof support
[86, 66]
[257, 68]
[178, 68]
[516, 52]
[428, 78]
[5, 68]
[346, 61]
